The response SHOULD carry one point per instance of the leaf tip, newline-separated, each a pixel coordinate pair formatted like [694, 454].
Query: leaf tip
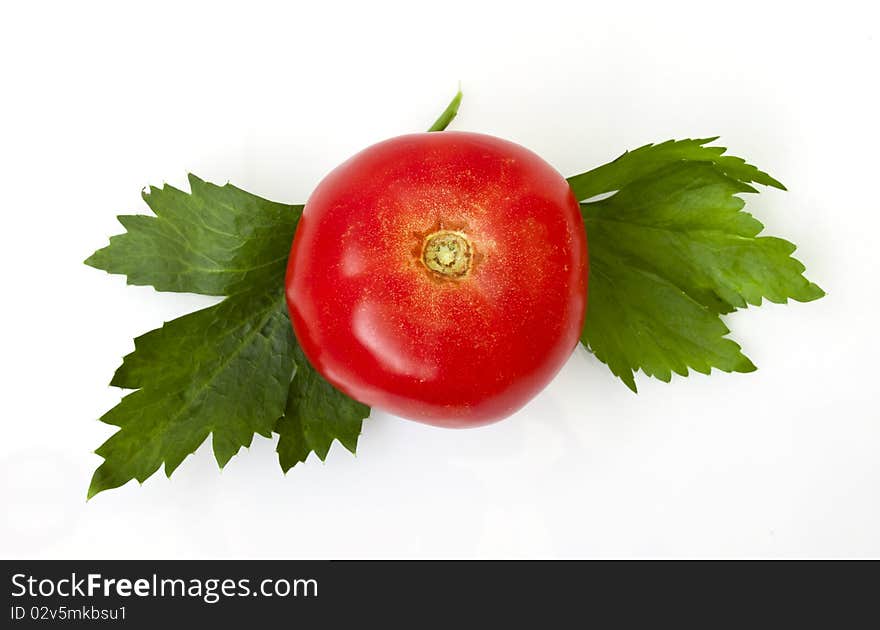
[745, 365]
[814, 292]
[97, 485]
[93, 260]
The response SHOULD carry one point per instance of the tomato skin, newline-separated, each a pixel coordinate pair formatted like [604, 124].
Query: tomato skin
[381, 326]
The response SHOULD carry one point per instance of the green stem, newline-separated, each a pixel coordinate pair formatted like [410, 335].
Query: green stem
[448, 114]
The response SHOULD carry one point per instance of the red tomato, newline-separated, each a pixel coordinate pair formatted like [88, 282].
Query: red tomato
[440, 277]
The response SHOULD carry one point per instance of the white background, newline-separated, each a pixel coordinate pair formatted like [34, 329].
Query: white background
[99, 100]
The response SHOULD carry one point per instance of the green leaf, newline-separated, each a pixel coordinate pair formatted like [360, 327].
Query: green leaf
[448, 114]
[637, 319]
[228, 370]
[222, 371]
[646, 160]
[216, 240]
[316, 414]
[669, 252]
[685, 223]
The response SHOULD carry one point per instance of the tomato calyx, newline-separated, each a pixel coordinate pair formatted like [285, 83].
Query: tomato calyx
[448, 253]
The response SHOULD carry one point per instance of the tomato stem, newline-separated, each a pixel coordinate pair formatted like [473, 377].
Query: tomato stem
[448, 114]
